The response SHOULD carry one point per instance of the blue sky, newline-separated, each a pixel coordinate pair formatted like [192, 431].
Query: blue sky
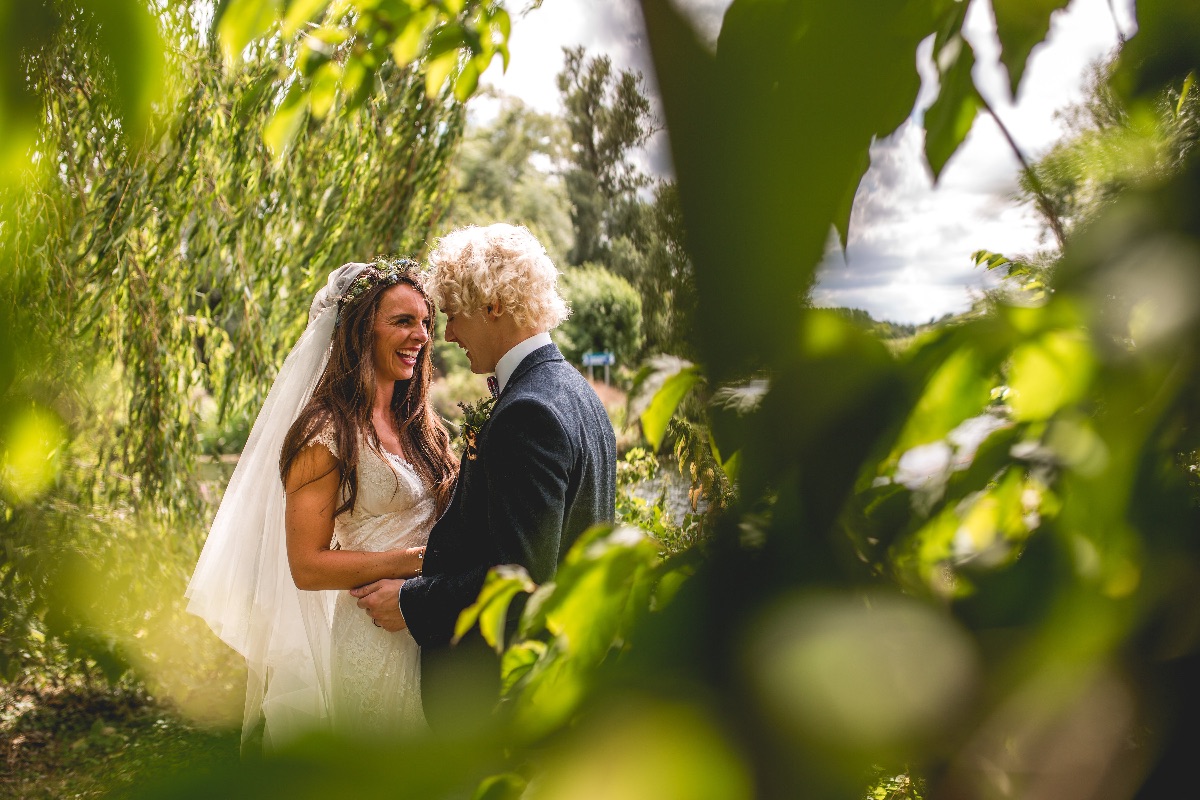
[908, 258]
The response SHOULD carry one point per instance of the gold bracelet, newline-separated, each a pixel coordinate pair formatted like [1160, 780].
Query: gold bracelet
[420, 561]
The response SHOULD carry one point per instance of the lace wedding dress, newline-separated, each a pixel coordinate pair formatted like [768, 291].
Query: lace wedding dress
[375, 676]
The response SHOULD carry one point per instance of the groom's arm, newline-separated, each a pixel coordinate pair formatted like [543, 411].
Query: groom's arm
[527, 462]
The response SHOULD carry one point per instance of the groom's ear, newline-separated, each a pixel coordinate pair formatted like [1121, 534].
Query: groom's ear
[495, 310]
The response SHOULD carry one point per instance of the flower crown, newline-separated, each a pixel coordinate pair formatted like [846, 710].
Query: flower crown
[383, 271]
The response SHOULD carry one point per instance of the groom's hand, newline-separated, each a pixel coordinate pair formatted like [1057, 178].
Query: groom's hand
[381, 601]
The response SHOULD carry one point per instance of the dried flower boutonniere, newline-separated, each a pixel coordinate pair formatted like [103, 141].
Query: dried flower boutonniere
[474, 416]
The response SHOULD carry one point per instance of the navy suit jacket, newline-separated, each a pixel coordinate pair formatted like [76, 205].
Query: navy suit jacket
[545, 471]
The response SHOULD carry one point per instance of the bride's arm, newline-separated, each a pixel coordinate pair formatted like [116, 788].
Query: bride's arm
[312, 491]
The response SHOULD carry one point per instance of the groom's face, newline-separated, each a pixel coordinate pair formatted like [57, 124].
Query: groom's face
[474, 334]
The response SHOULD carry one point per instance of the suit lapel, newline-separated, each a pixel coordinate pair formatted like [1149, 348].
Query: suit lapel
[540, 356]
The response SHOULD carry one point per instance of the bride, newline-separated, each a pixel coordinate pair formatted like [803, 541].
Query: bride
[343, 475]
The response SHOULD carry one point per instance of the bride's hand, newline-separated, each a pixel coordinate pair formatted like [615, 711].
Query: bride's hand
[409, 561]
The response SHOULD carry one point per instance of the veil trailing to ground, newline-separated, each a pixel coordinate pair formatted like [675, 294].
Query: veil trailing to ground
[242, 586]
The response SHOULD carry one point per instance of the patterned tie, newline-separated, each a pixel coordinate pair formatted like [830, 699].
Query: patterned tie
[493, 385]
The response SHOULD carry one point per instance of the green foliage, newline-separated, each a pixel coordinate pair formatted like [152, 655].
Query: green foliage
[1021, 26]
[607, 116]
[956, 557]
[504, 174]
[884, 329]
[343, 48]
[606, 315]
[152, 286]
[1111, 148]
[658, 389]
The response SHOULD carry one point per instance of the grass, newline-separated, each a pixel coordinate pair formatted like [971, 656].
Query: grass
[78, 740]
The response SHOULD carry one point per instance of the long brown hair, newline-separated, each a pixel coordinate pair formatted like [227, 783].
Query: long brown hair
[346, 390]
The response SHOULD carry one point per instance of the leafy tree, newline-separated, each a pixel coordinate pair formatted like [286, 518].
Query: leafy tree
[505, 173]
[607, 116]
[852, 610]
[606, 315]
[152, 284]
[665, 279]
[1107, 150]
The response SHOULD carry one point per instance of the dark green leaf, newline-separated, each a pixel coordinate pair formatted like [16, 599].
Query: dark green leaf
[949, 119]
[1021, 26]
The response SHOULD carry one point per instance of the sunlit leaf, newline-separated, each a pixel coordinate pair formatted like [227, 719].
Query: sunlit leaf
[517, 661]
[1188, 83]
[959, 389]
[437, 70]
[658, 390]
[285, 124]
[1021, 26]
[502, 22]
[466, 81]
[1049, 373]
[243, 21]
[29, 452]
[407, 45]
[330, 35]
[502, 584]
[300, 12]
[324, 88]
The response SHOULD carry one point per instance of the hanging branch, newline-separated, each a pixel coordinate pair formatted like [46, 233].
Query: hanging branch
[1043, 201]
[1112, 9]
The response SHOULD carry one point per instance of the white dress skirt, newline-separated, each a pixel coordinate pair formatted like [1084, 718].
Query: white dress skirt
[375, 676]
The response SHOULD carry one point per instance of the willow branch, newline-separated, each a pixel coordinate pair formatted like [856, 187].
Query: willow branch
[1112, 9]
[1043, 200]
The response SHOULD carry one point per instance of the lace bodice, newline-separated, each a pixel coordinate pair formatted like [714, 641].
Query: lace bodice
[394, 507]
[375, 674]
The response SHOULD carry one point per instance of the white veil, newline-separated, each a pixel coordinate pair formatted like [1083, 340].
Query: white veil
[242, 586]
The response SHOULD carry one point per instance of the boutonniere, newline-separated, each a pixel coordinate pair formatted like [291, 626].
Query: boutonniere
[474, 416]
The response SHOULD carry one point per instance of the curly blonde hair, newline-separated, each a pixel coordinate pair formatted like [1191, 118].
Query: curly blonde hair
[474, 267]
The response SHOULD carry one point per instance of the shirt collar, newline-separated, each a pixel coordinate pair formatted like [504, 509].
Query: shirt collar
[512, 359]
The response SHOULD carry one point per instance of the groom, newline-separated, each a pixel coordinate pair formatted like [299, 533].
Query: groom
[543, 469]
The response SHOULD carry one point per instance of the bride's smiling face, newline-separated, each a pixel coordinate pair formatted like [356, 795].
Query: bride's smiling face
[401, 329]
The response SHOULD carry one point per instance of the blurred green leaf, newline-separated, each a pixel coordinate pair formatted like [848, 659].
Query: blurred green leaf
[437, 70]
[323, 91]
[509, 786]
[243, 21]
[502, 584]
[516, 663]
[287, 121]
[407, 44]
[301, 12]
[959, 389]
[466, 81]
[1049, 373]
[129, 33]
[1021, 26]
[30, 442]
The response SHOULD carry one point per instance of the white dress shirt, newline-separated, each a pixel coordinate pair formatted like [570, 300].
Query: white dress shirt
[509, 361]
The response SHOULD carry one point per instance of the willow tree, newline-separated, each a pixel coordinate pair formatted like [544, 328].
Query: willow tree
[156, 267]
